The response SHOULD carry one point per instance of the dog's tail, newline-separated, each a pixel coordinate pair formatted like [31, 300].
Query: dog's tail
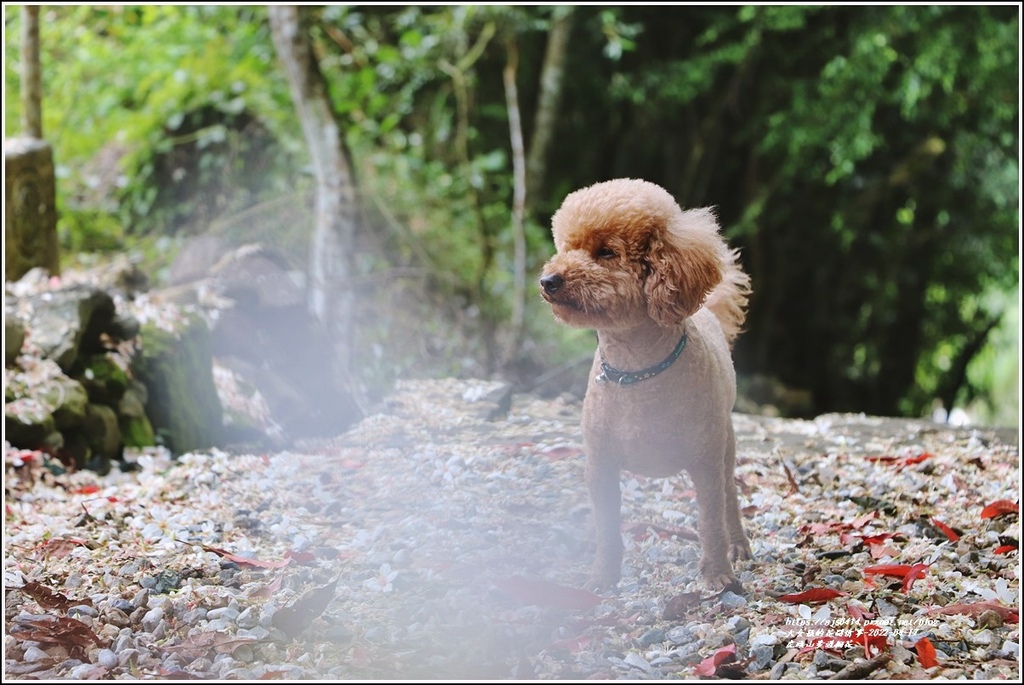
[728, 301]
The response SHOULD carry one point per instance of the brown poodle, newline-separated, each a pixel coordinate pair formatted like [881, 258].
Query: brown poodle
[667, 299]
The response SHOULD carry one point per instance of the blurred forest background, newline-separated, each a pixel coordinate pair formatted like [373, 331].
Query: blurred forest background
[864, 158]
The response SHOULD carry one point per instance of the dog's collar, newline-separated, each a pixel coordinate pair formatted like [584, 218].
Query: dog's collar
[610, 374]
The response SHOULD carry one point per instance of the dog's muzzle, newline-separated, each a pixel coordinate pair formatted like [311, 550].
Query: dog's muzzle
[551, 284]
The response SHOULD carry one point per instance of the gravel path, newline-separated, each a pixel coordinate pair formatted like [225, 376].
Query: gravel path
[442, 539]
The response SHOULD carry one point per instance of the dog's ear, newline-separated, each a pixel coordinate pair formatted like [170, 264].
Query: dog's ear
[684, 264]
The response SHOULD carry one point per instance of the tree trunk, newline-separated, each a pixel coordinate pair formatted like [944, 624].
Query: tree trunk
[31, 79]
[552, 77]
[337, 215]
[518, 200]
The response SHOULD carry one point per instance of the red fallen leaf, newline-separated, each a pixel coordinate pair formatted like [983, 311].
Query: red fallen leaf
[545, 593]
[58, 548]
[297, 617]
[894, 570]
[863, 520]
[710, 665]
[300, 557]
[816, 594]
[916, 571]
[1005, 549]
[880, 538]
[926, 653]
[71, 634]
[274, 675]
[879, 551]
[998, 508]
[946, 530]
[901, 462]
[859, 613]
[976, 608]
[48, 599]
[873, 636]
[86, 490]
[244, 561]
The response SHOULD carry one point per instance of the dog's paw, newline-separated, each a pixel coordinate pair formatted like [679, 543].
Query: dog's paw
[717, 575]
[739, 550]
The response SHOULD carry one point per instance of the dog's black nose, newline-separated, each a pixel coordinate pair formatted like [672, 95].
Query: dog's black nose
[552, 283]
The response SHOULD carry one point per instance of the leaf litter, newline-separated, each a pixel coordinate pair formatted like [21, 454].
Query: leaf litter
[433, 541]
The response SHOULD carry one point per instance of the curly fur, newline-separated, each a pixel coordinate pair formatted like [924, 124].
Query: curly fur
[641, 271]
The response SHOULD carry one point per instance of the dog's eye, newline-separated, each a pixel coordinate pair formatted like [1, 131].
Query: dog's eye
[605, 253]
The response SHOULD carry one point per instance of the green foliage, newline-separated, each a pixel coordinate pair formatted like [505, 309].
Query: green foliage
[863, 157]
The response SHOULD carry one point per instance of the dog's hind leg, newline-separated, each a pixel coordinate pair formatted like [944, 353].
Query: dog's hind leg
[739, 546]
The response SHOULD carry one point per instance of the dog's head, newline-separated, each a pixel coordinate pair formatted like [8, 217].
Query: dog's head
[626, 254]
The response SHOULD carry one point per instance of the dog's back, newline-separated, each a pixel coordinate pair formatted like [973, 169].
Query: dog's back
[728, 301]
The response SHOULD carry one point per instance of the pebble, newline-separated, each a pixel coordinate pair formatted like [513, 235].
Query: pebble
[225, 613]
[760, 656]
[990, 619]
[152, 619]
[33, 653]
[985, 637]
[652, 637]
[736, 624]
[82, 610]
[680, 635]
[106, 658]
[731, 599]
[636, 661]
[141, 598]
[249, 618]
[122, 604]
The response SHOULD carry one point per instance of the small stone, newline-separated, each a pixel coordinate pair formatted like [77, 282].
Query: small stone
[652, 637]
[106, 658]
[33, 653]
[885, 608]
[152, 619]
[634, 660]
[249, 618]
[680, 635]
[141, 597]
[736, 624]
[128, 657]
[731, 599]
[990, 619]
[147, 582]
[760, 656]
[123, 605]
[82, 610]
[222, 613]
[985, 637]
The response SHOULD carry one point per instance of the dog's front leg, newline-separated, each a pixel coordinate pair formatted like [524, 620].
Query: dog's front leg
[606, 499]
[714, 563]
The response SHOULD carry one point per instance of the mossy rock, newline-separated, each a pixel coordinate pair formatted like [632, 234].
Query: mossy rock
[101, 430]
[14, 337]
[137, 431]
[28, 423]
[177, 370]
[102, 377]
[67, 400]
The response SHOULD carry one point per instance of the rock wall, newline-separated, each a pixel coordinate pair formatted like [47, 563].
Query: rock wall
[84, 379]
